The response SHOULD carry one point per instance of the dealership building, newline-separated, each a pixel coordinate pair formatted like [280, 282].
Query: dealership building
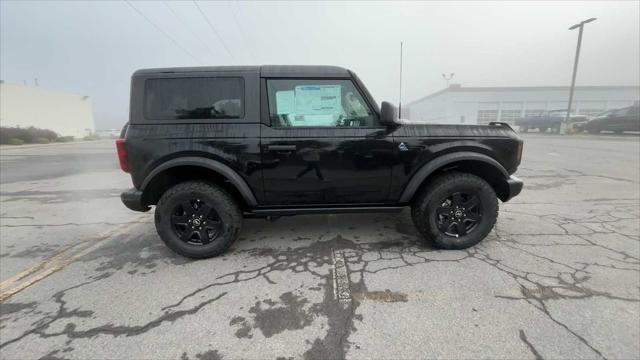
[480, 105]
[25, 106]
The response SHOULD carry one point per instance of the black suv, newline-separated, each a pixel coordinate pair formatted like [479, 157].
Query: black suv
[211, 145]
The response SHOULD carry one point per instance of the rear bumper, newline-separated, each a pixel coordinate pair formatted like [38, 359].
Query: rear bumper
[514, 187]
[132, 199]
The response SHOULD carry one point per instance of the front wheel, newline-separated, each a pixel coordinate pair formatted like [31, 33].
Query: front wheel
[197, 219]
[455, 211]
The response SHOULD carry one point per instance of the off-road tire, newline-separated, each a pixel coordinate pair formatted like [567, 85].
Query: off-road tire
[217, 198]
[424, 207]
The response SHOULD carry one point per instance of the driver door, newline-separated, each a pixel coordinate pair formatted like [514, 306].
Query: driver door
[323, 145]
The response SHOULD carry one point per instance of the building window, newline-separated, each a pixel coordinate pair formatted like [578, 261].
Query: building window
[533, 112]
[487, 116]
[509, 116]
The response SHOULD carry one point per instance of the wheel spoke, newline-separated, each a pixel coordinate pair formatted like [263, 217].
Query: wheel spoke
[461, 228]
[187, 206]
[443, 210]
[456, 199]
[180, 219]
[213, 224]
[204, 236]
[203, 209]
[445, 225]
[187, 234]
[473, 216]
[471, 202]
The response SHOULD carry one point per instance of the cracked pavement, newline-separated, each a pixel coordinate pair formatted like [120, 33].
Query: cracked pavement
[559, 277]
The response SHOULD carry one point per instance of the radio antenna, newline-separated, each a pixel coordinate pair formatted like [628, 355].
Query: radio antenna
[400, 97]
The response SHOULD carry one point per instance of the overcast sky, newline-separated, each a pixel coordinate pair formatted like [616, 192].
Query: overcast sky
[91, 48]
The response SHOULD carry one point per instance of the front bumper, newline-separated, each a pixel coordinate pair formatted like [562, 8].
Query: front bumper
[132, 199]
[514, 187]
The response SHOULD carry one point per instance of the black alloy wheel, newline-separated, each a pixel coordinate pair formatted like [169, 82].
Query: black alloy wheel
[455, 210]
[198, 219]
[459, 214]
[195, 222]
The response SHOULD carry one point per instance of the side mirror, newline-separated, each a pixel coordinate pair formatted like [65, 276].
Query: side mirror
[388, 114]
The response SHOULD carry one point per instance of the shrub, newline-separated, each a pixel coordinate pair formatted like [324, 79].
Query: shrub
[65, 139]
[27, 135]
[15, 141]
[91, 137]
[42, 140]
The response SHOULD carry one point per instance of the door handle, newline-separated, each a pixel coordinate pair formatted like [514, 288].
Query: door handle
[281, 148]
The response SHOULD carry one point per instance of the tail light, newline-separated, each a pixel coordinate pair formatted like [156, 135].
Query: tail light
[519, 152]
[122, 154]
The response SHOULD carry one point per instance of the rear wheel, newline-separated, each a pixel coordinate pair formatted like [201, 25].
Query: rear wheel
[455, 211]
[197, 219]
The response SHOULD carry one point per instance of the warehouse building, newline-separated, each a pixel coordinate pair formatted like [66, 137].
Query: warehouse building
[481, 105]
[26, 106]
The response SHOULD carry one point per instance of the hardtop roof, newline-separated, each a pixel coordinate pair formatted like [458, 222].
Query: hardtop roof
[291, 71]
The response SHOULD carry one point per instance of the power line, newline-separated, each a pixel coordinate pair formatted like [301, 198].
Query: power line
[241, 30]
[163, 32]
[195, 35]
[213, 29]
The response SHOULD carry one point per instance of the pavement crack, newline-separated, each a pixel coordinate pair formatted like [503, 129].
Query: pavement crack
[533, 350]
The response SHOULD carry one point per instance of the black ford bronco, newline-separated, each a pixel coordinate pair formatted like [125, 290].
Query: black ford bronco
[209, 146]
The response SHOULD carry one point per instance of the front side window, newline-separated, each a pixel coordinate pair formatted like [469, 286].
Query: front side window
[194, 98]
[311, 103]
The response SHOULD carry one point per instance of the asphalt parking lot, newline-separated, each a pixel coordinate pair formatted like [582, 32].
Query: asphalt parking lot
[559, 277]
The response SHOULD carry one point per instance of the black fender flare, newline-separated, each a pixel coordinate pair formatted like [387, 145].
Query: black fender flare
[224, 170]
[443, 160]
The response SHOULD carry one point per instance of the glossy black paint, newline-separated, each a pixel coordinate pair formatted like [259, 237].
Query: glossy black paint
[327, 166]
[295, 168]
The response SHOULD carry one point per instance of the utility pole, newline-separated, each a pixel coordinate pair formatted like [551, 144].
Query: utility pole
[400, 96]
[580, 25]
[448, 78]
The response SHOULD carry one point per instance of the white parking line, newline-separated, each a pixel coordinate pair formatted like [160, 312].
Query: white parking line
[341, 288]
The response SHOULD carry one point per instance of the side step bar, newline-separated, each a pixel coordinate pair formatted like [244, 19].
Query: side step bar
[260, 213]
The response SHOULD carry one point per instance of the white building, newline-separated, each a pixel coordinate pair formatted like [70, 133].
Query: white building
[480, 105]
[25, 106]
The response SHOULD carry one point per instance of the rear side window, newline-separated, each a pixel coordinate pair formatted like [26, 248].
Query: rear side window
[194, 98]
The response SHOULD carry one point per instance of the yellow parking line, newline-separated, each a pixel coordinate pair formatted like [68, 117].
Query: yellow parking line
[6, 283]
[56, 263]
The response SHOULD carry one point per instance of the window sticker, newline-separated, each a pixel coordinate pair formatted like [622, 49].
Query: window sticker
[318, 100]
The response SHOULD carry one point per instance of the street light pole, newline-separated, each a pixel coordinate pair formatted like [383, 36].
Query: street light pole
[563, 125]
[447, 78]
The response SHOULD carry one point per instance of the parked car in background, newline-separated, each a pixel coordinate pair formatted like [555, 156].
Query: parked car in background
[548, 120]
[616, 120]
